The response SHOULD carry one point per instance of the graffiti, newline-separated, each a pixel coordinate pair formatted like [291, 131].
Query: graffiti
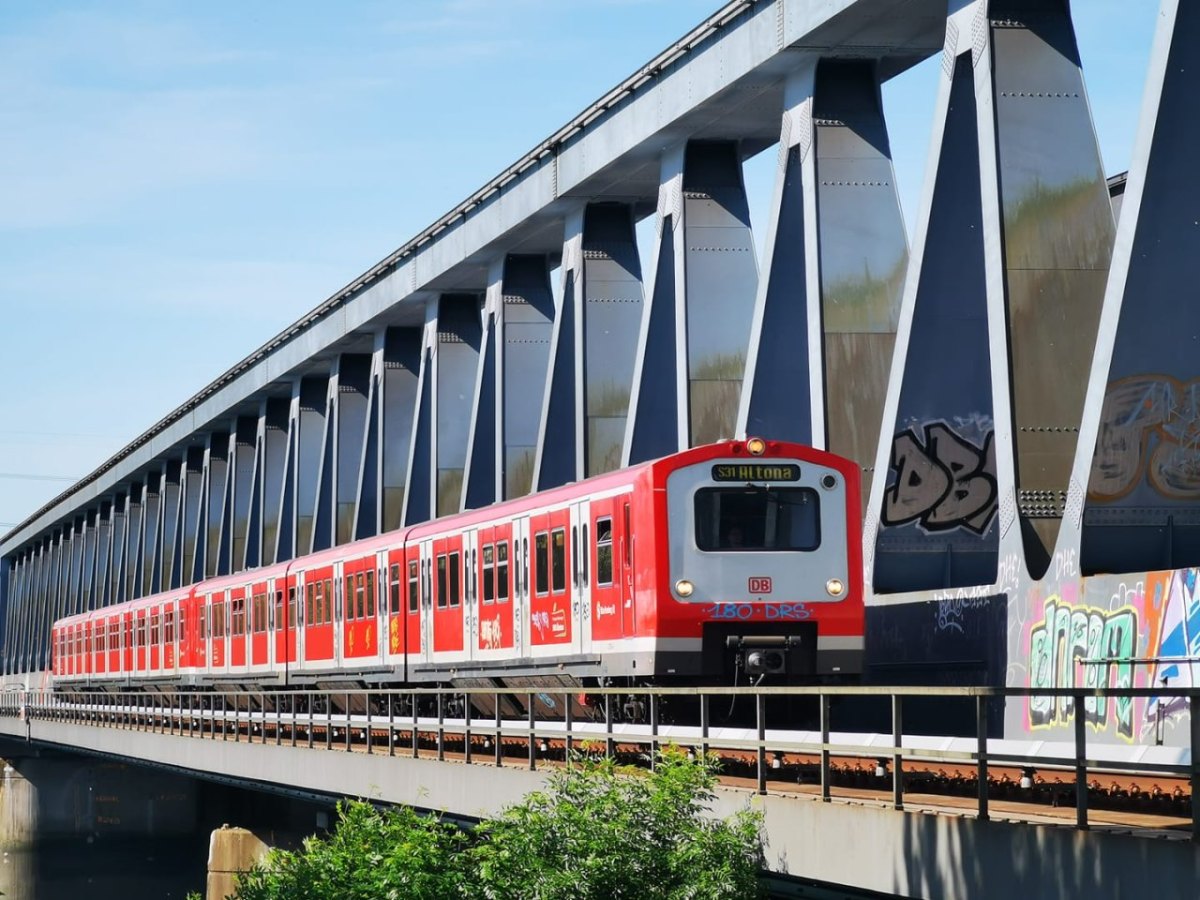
[1137, 409]
[792, 612]
[490, 633]
[1178, 641]
[394, 635]
[1065, 565]
[1068, 634]
[541, 621]
[943, 482]
[950, 610]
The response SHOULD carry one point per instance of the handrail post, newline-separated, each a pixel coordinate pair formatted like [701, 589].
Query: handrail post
[347, 711]
[610, 744]
[1194, 714]
[532, 748]
[704, 727]
[467, 724]
[981, 753]
[897, 759]
[825, 774]
[1081, 787]
[496, 737]
[760, 723]
[329, 721]
[569, 742]
[311, 716]
[278, 720]
[441, 730]
[391, 724]
[416, 744]
[293, 719]
[368, 698]
[653, 731]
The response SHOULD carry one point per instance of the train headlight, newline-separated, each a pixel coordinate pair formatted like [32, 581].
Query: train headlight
[684, 588]
[756, 446]
[834, 587]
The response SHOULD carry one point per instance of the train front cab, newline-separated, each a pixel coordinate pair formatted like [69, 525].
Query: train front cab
[765, 562]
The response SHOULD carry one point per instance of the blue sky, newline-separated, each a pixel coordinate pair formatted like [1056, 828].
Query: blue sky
[179, 181]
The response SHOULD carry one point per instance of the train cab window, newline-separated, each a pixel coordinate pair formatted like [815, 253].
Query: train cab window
[541, 563]
[604, 548]
[394, 590]
[455, 580]
[733, 519]
[370, 593]
[489, 573]
[414, 586]
[441, 581]
[502, 572]
[558, 560]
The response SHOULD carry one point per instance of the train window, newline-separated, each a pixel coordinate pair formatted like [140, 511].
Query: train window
[541, 564]
[237, 615]
[455, 575]
[204, 621]
[329, 602]
[502, 572]
[414, 586]
[604, 547]
[169, 627]
[732, 519]
[310, 593]
[292, 606]
[584, 562]
[441, 581]
[558, 560]
[360, 601]
[394, 590]
[370, 593]
[489, 573]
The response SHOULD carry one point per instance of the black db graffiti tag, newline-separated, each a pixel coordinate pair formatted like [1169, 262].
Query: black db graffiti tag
[946, 482]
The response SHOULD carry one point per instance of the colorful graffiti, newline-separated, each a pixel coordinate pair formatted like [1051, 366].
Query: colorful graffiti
[1136, 409]
[1124, 632]
[942, 482]
[1079, 646]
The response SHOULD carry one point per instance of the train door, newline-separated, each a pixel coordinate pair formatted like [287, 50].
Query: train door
[114, 643]
[606, 582]
[522, 627]
[494, 595]
[396, 571]
[259, 649]
[284, 604]
[624, 524]
[470, 592]
[581, 612]
[127, 650]
[448, 594]
[218, 631]
[550, 612]
[415, 640]
[427, 601]
[238, 626]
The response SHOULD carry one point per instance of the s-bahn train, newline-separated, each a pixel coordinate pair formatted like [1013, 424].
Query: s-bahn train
[722, 564]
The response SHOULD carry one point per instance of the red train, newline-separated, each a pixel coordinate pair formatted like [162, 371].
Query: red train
[725, 562]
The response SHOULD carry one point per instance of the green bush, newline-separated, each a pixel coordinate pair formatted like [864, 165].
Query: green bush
[597, 831]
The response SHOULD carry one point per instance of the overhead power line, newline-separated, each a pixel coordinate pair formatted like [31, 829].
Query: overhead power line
[29, 476]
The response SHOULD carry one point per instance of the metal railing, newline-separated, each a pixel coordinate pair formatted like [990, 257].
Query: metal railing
[629, 724]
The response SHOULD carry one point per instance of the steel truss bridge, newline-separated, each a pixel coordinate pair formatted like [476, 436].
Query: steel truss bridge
[472, 752]
[1018, 385]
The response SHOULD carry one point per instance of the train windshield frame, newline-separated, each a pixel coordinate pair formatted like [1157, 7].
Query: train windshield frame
[757, 518]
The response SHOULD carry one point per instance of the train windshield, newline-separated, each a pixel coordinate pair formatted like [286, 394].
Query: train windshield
[757, 518]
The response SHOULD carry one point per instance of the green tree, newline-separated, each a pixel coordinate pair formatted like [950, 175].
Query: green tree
[601, 832]
[394, 854]
[598, 831]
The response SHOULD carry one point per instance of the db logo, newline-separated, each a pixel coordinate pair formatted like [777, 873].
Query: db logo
[760, 585]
